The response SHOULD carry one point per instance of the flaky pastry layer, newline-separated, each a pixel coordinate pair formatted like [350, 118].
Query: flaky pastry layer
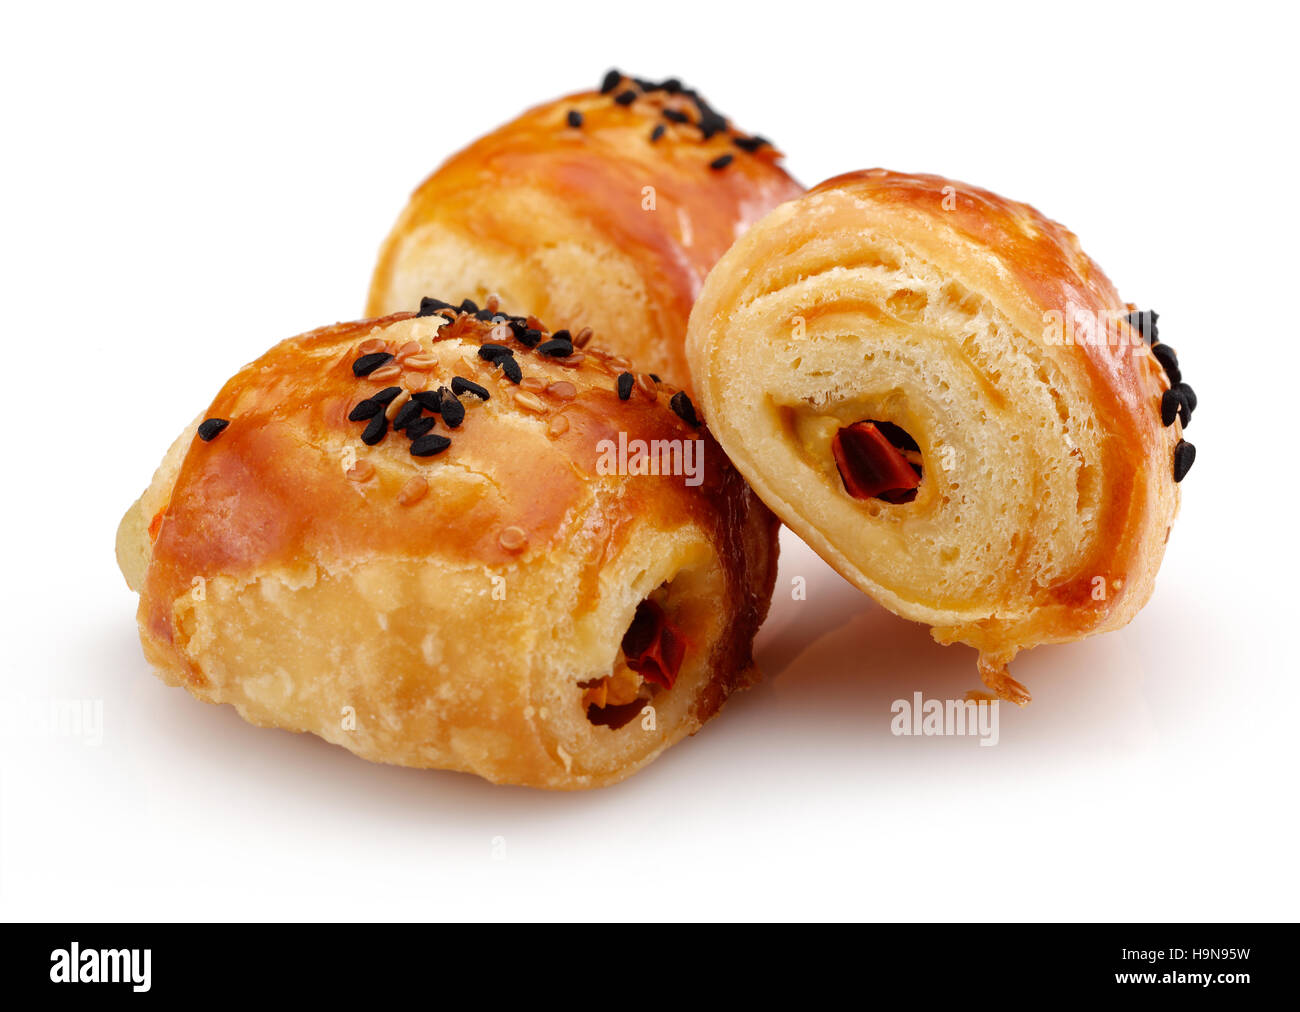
[603, 209]
[450, 610]
[928, 307]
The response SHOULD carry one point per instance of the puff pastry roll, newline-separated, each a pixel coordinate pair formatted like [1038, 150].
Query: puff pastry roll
[602, 210]
[453, 540]
[945, 397]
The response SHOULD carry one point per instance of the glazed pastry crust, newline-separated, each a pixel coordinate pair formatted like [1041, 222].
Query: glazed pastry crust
[584, 226]
[1047, 493]
[282, 568]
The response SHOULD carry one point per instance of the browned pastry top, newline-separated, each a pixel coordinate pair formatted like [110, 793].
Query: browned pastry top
[597, 152]
[288, 480]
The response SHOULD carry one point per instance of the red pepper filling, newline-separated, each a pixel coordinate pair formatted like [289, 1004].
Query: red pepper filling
[871, 466]
[652, 646]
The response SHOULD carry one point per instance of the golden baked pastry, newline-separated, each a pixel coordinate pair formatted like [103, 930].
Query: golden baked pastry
[944, 397]
[428, 538]
[604, 209]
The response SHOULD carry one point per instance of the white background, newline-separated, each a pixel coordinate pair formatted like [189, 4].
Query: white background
[182, 189]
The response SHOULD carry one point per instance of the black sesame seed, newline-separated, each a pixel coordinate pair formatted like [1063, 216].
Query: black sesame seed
[556, 348]
[367, 364]
[1144, 322]
[676, 116]
[453, 411]
[430, 306]
[1184, 457]
[460, 385]
[574, 118]
[655, 377]
[469, 306]
[657, 132]
[407, 413]
[485, 316]
[710, 122]
[645, 85]
[750, 144]
[528, 336]
[1171, 370]
[625, 97]
[430, 400]
[366, 409]
[1165, 356]
[1189, 395]
[491, 352]
[672, 86]
[420, 427]
[685, 410]
[511, 368]
[376, 430]
[427, 446]
[610, 82]
[386, 395]
[722, 161]
[1171, 406]
[211, 428]
[562, 335]
[519, 328]
[624, 385]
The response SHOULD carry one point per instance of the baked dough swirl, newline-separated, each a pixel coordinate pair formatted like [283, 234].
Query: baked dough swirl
[945, 397]
[603, 209]
[398, 535]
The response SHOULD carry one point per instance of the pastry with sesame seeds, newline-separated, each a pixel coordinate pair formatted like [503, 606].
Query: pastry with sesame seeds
[605, 208]
[453, 578]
